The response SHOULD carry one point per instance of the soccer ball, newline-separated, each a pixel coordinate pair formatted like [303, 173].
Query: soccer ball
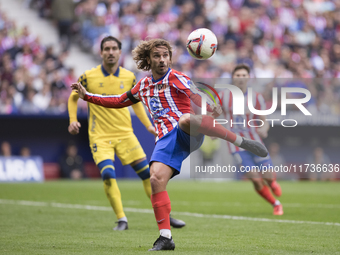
[201, 43]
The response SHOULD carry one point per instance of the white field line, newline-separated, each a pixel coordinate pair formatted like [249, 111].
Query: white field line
[228, 204]
[138, 210]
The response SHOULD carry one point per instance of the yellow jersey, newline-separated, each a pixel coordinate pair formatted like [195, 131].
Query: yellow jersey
[107, 122]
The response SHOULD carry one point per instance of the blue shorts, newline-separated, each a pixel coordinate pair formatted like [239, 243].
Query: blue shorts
[174, 147]
[246, 158]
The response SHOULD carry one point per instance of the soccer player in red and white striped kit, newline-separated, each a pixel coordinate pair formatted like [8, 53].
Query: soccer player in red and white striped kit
[264, 183]
[167, 94]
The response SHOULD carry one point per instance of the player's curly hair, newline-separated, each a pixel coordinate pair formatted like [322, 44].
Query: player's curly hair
[143, 50]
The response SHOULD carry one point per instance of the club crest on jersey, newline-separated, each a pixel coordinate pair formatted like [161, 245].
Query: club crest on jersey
[161, 87]
[121, 85]
[101, 84]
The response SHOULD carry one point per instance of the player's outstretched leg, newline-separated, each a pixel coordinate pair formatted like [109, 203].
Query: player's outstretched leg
[206, 125]
[160, 175]
[263, 190]
[253, 146]
[141, 168]
[112, 192]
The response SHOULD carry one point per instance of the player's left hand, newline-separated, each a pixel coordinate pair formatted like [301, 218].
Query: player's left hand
[262, 132]
[151, 129]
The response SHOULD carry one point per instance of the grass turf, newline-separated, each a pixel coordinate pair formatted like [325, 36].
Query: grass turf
[46, 229]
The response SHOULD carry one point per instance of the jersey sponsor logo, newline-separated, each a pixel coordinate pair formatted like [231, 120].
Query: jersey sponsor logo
[155, 106]
[162, 112]
[101, 84]
[133, 149]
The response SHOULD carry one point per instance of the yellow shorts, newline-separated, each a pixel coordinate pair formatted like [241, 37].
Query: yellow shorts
[128, 150]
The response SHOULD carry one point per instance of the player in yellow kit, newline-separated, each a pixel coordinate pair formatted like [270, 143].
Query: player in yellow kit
[110, 130]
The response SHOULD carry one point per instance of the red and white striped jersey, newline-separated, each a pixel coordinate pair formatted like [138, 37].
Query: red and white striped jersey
[240, 123]
[167, 99]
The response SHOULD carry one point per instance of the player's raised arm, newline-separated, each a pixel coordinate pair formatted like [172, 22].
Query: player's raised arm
[113, 101]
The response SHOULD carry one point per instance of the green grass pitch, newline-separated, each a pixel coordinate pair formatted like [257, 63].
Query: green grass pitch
[66, 217]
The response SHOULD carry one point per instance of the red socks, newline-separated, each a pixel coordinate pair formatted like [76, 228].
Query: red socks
[266, 194]
[162, 208]
[207, 128]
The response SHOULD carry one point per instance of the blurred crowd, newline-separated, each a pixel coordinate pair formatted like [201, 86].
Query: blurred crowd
[296, 42]
[33, 79]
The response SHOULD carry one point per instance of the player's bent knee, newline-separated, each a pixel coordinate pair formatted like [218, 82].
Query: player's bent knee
[154, 180]
[157, 182]
[108, 174]
[144, 175]
[184, 120]
[107, 170]
[142, 169]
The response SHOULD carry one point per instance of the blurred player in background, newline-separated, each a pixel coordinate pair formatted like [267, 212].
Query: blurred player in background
[110, 130]
[240, 77]
[167, 95]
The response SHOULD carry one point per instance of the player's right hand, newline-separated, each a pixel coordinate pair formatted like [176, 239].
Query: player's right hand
[73, 128]
[217, 110]
[77, 87]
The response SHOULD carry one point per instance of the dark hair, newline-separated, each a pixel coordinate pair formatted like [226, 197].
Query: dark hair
[110, 38]
[239, 67]
[143, 50]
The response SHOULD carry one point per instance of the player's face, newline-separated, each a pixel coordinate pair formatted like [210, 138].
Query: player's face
[160, 60]
[110, 53]
[240, 78]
